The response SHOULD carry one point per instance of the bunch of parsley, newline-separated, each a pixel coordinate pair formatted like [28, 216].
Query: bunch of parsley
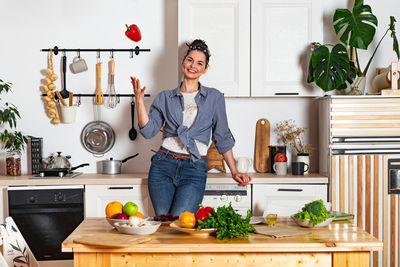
[230, 224]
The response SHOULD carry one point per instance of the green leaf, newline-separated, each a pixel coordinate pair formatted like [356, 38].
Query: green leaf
[358, 26]
[330, 68]
[393, 35]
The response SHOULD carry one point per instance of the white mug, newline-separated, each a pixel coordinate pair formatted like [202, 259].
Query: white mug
[280, 168]
[243, 164]
[78, 65]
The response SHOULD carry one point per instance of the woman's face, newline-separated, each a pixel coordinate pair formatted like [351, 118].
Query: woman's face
[194, 65]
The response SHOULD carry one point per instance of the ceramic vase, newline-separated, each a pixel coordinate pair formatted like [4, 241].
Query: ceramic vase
[304, 157]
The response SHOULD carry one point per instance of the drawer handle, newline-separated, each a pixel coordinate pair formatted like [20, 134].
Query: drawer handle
[120, 187]
[290, 190]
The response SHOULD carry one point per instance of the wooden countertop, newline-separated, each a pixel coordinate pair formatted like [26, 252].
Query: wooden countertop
[141, 178]
[339, 236]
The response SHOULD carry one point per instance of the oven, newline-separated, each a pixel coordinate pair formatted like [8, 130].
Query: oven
[217, 195]
[46, 216]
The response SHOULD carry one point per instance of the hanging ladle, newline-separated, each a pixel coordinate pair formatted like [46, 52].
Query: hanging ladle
[64, 93]
[132, 131]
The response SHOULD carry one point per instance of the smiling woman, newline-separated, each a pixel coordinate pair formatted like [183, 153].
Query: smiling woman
[191, 114]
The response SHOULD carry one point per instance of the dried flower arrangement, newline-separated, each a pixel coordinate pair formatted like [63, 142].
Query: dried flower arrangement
[291, 135]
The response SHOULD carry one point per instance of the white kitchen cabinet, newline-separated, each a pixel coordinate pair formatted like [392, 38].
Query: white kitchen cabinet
[269, 37]
[4, 203]
[284, 199]
[98, 196]
[225, 26]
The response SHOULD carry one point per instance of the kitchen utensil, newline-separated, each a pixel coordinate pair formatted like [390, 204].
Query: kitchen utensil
[99, 97]
[176, 225]
[132, 131]
[298, 168]
[140, 230]
[60, 98]
[98, 137]
[64, 93]
[111, 166]
[111, 96]
[262, 156]
[280, 168]
[243, 164]
[111, 240]
[58, 165]
[78, 65]
[68, 113]
[273, 150]
[307, 223]
[71, 98]
[112, 221]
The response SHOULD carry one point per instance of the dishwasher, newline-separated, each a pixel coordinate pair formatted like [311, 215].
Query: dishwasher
[46, 216]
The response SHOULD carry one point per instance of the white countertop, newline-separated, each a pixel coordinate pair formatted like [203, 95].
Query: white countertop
[141, 178]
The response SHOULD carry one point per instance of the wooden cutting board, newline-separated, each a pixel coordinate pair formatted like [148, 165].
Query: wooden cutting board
[112, 240]
[262, 157]
[278, 231]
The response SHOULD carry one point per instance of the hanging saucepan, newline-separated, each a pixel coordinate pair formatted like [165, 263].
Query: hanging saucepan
[98, 137]
[111, 166]
[57, 166]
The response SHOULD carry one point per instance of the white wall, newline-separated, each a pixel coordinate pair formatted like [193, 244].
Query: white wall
[28, 26]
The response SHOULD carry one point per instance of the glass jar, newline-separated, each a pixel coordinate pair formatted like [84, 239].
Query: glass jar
[13, 163]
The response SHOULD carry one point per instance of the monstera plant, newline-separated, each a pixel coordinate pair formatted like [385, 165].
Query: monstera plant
[336, 66]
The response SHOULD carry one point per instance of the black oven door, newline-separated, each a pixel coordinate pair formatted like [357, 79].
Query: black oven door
[45, 226]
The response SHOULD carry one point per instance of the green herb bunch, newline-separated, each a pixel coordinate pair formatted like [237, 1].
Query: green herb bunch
[230, 224]
[315, 211]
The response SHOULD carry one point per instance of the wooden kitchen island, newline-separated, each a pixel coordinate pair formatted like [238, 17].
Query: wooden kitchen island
[340, 244]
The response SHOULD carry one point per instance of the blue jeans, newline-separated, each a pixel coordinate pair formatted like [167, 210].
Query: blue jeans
[176, 185]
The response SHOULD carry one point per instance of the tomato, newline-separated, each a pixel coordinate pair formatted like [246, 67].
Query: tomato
[187, 219]
[280, 157]
[203, 213]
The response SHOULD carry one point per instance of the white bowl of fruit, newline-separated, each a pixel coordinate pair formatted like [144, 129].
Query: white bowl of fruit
[118, 213]
[137, 226]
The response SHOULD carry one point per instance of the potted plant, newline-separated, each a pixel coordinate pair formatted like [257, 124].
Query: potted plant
[337, 66]
[13, 142]
[292, 136]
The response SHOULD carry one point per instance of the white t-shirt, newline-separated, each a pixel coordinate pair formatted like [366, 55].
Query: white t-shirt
[189, 116]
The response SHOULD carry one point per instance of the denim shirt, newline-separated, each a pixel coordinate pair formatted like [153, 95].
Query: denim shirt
[168, 108]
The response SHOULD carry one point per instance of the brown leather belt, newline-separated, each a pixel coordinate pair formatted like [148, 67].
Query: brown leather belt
[177, 156]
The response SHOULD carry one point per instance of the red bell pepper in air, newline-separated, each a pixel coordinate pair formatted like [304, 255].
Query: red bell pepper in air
[203, 213]
[133, 33]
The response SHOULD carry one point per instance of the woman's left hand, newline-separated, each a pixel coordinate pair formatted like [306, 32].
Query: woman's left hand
[241, 178]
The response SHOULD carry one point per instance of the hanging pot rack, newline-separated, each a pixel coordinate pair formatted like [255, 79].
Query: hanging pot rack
[135, 51]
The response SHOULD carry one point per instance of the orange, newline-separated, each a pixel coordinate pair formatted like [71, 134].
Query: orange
[187, 219]
[138, 214]
[113, 208]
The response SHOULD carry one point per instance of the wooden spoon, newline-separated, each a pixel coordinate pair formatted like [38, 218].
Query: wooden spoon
[99, 97]
[60, 98]
[71, 95]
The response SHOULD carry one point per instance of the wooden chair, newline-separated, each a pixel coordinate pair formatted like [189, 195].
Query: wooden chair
[16, 251]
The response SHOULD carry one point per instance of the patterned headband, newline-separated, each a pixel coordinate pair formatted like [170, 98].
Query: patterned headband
[200, 48]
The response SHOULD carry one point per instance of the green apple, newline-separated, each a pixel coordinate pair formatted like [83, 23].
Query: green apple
[130, 208]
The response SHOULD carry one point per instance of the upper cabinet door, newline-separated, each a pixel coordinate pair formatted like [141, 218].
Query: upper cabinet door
[282, 31]
[225, 26]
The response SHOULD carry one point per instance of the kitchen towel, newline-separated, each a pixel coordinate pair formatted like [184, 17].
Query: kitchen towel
[278, 231]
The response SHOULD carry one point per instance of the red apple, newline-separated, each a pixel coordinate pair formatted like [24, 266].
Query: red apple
[280, 157]
[120, 216]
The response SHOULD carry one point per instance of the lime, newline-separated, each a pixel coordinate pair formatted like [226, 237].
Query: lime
[130, 208]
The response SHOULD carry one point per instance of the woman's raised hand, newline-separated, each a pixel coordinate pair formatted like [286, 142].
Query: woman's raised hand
[137, 90]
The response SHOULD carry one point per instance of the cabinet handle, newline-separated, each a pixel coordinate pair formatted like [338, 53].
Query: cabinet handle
[120, 187]
[290, 190]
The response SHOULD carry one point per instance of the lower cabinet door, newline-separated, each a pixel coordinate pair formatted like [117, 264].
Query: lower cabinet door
[98, 196]
[283, 199]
